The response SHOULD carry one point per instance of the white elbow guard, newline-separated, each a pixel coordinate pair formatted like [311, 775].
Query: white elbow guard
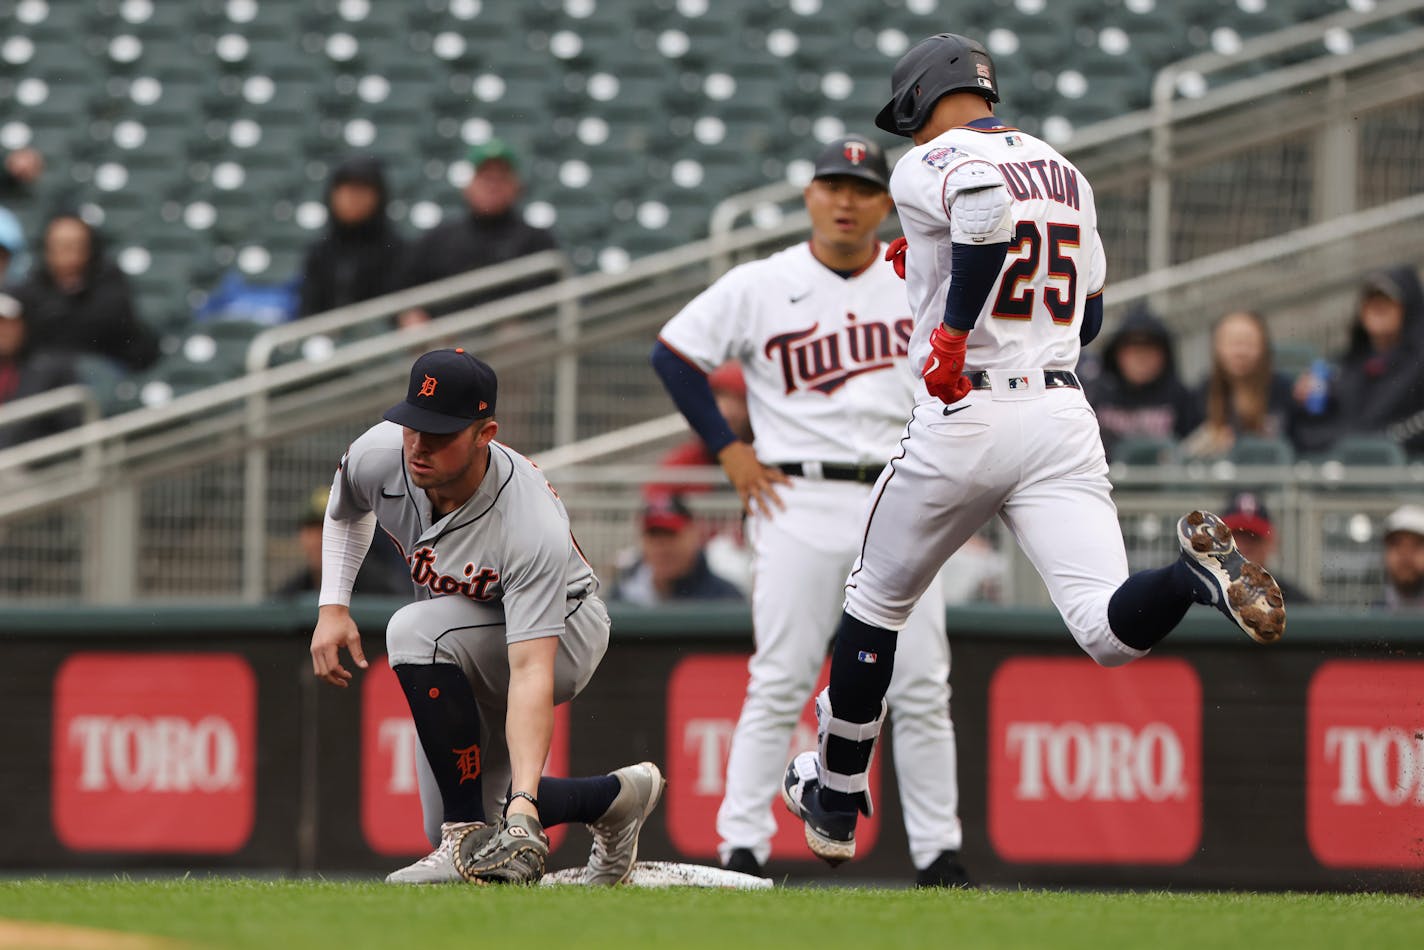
[979, 211]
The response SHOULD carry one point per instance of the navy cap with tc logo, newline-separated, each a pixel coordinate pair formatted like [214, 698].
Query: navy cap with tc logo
[855, 156]
[449, 391]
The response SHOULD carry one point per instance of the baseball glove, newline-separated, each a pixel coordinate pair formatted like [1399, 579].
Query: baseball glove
[515, 854]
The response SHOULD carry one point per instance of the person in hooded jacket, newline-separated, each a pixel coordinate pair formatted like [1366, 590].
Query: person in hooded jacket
[1138, 393]
[24, 374]
[1378, 384]
[76, 300]
[361, 254]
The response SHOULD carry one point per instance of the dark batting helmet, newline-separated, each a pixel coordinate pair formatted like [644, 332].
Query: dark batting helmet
[935, 67]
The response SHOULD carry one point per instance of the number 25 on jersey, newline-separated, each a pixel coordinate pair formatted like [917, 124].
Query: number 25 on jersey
[1020, 285]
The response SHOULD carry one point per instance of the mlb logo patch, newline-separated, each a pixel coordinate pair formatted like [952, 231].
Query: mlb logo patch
[1016, 382]
[940, 157]
[1013, 141]
[865, 656]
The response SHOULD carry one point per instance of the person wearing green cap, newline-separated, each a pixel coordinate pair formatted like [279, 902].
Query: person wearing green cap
[494, 231]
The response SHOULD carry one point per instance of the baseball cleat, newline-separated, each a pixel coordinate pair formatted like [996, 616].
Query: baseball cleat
[743, 861]
[1242, 590]
[438, 867]
[944, 871]
[615, 835]
[829, 834]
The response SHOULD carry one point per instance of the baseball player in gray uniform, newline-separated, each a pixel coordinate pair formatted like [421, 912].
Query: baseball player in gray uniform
[821, 332]
[1004, 270]
[506, 624]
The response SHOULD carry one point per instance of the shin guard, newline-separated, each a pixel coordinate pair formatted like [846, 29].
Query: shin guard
[845, 751]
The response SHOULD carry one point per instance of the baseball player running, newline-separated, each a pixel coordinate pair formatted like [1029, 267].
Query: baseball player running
[507, 623]
[821, 331]
[1004, 270]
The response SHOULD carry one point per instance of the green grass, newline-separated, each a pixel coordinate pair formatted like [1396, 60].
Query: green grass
[279, 914]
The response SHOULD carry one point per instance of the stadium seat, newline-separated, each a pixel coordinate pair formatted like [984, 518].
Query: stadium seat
[1145, 450]
[1293, 357]
[1251, 450]
[1376, 450]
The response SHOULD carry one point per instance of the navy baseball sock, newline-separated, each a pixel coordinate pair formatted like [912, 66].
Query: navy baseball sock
[448, 723]
[1150, 604]
[583, 800]
[862, 660]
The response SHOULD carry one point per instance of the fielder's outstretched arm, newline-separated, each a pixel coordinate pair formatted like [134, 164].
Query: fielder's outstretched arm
[529, 720]
[346, 535]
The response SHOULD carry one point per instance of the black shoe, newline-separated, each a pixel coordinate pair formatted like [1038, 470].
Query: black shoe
[829, 834]
[943, 871]
[743, 861]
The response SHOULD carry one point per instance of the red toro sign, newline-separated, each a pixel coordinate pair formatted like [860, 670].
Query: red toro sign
[154, 752]
[390, 799]
[1365, 764]
[1095, 766]
[704, 701]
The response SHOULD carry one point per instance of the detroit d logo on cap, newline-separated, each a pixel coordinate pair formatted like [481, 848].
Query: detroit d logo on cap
[427, 388]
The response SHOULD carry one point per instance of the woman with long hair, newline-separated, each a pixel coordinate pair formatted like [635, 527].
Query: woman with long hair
[1243, 394]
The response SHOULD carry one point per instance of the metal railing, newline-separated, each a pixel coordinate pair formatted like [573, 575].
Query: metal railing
[564, 353]
[1320, 96]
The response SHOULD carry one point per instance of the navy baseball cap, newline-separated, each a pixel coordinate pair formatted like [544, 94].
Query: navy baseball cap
[449, 391]
[856, 156]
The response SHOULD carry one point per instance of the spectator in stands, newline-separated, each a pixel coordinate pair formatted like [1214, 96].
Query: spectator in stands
[361, 254]
[14, 262]
[1250, 523]
[384, 573]
[77, 301]
[1242, 395]
[21, 167]
[1138, 393]
[493, 232]
[23, 374]
[1404, 559]
[1379, 384]
[672, 565]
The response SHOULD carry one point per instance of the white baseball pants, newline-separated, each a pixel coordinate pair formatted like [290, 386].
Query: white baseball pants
[801, 556]
[1031, 455]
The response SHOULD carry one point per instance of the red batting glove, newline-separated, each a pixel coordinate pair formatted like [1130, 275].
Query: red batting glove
[943, 370]
[895, 254]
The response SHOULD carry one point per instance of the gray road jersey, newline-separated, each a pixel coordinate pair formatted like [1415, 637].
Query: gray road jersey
[509, 545]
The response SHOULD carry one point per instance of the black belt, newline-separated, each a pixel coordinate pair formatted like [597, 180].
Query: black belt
[1052, 379]
[836, 472]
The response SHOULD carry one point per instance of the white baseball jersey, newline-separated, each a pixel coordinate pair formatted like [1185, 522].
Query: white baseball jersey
[1019, 449]
[508, 546]
[823, 356]
[1054, 263]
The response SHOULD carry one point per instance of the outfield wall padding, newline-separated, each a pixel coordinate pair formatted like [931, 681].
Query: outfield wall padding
[194, 737]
